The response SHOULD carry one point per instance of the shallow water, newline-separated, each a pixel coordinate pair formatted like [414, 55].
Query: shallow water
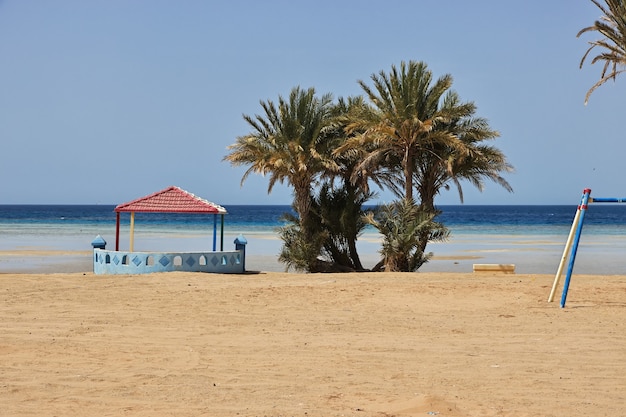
[531, 237]
[596, 254]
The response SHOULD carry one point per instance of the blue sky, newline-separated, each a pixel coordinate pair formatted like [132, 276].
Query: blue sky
[102, 102]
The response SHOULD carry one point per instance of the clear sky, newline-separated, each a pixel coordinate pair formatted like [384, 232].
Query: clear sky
[104, 101]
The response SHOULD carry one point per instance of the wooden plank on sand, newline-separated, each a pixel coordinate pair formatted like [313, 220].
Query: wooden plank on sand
[504, 268]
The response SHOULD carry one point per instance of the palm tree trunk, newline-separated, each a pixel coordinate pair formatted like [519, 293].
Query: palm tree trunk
[427, 200]
[408, 174]
[354, 255]
[302, 203]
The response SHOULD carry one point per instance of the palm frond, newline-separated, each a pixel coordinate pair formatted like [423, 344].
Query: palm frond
[612, 26]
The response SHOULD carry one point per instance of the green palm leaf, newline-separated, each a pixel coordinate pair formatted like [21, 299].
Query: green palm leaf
[612, 25]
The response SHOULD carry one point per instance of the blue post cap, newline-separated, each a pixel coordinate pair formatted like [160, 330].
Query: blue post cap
[99, 243]
[240, 240]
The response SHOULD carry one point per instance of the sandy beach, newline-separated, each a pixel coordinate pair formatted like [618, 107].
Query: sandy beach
[275, 344]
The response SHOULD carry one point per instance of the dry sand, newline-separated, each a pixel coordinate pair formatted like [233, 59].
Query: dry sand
[273, 344]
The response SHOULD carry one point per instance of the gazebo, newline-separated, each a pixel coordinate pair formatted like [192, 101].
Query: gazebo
[170, 200]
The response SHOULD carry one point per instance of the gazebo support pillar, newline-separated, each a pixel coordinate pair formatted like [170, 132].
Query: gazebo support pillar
[117, 231]
[132, 231]
[214, 232]
[222, 233]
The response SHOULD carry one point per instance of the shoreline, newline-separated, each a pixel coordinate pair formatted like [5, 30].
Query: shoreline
[526, 261]
[536, 254]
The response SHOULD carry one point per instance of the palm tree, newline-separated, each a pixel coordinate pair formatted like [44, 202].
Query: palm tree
[401, 125]
[403, 225]
[287, 142]
[477, 163]
[341, 198]
[424, 128]
[612, 25]
[336, 214]
[341, 218]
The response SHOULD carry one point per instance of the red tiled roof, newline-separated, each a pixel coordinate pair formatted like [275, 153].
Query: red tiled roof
[171, 200]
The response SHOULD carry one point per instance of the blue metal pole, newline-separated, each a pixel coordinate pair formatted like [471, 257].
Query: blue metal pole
[214, 232]
[583, 208]
[608, 200]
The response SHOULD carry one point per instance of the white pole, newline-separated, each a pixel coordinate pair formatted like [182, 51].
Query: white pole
[132, 231]
[568, 246]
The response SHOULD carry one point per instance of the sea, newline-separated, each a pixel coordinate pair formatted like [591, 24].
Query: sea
[532, 237]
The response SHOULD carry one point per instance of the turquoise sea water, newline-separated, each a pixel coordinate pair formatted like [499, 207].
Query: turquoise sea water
[532, 237]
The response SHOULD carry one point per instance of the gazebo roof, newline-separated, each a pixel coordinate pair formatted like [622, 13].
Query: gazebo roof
[171, 200]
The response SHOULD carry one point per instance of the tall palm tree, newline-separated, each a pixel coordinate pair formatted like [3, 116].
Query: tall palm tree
[400, 126]
[612, 25]
[449, 168]
[288, 143]
[341, 198]
[424, 128]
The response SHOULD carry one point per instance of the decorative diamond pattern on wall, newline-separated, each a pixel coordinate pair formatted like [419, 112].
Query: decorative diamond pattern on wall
[137, 261]
[116, 260]
[190, 261]
[214, 260]
[164, 261]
